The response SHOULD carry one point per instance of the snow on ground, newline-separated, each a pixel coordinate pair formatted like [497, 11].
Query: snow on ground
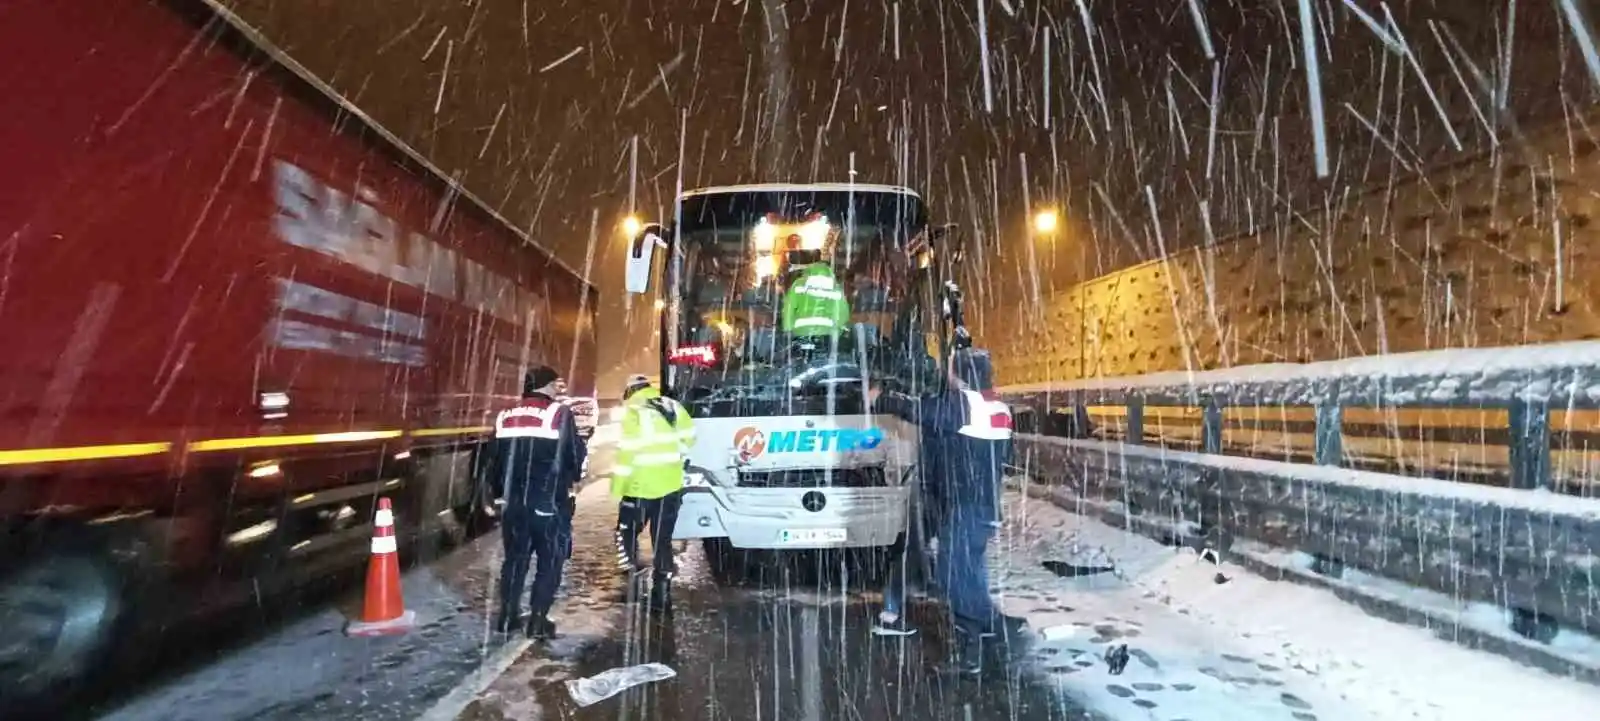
[309, 669]
[1242, 650]
[1452, 362]
[1579, 509]
[1573, 646]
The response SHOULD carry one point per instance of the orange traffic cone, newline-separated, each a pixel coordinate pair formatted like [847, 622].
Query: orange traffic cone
[384, 612]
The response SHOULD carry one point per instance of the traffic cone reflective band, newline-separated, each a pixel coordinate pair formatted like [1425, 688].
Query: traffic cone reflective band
[384, 612]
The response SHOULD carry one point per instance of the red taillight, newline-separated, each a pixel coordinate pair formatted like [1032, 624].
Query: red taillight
[1000, 420]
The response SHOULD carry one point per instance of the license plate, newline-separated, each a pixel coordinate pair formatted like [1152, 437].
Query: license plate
[804, 536]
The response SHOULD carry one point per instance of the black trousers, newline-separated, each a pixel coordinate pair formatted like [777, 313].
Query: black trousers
[661, 515]
[540, 542]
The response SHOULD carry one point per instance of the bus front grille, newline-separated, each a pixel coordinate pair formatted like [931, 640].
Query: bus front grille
[815, 478]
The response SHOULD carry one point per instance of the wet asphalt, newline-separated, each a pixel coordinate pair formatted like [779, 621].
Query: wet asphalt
[796, 647]
[779, 655]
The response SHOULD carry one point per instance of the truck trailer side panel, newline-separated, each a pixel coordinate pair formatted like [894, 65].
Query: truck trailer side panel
[234, 314]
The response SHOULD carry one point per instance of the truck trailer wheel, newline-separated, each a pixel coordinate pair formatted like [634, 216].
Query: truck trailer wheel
[60, 613]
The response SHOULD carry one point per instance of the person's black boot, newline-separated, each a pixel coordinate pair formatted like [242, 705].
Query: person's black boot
[506, 621]
[966, 657]
[1007, 637]
[540, 627]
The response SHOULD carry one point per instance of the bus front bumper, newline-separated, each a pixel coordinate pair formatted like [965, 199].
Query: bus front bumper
[794, 518]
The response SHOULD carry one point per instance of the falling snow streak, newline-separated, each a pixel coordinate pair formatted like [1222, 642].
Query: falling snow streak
[1046, 82]
[983, 55]
[1200, 29]
[1383, 35]
[1308, 55]
[1167, 277]
[1215, 106]
[660, 80]
[1503, 93]
[558, 61]
[444, 76]
[1461, 81]
[1577, 22]
[1398, 38]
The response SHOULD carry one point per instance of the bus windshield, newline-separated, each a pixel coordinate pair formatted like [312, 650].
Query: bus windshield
[784, 293]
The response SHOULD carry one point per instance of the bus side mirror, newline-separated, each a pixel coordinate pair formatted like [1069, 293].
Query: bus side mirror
[641, 251]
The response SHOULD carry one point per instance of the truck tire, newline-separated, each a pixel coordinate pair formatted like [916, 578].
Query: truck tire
[478, 515]
[61, 612]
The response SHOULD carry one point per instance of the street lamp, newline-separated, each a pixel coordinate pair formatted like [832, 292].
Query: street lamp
[1045, 221]
[631, 226]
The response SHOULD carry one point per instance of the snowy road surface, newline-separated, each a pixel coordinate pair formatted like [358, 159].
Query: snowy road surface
[308, 669]
[1244, 649]
[1241, 650]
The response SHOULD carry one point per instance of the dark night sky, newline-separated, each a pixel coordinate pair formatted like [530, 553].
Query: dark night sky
[901, 86]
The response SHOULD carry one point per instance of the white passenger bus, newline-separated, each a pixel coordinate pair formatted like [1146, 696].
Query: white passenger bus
[789, 455]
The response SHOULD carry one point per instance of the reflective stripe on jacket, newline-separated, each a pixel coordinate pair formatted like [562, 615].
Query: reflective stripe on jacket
[815, 304]
[536, 455]
[966, 444]
[651, 451]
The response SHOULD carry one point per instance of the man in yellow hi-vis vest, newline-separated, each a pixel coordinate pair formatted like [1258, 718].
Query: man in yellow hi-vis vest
[648, 480]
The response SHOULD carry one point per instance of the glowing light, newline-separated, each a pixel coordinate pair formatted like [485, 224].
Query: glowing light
[631, 226]
[814, 235]
[700, 355]
[764, 234]
[724, 328]
[660, 305]
[1045, 221]
[765, 267]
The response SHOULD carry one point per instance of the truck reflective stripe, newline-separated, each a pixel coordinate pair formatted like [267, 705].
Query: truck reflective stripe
[24, 456]
[81, 453]
[425, 432]
[233, 444]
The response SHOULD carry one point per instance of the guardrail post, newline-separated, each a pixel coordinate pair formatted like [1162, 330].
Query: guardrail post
[1135, 431]
[1330, 433]
[1530, 443]
[1211, 425]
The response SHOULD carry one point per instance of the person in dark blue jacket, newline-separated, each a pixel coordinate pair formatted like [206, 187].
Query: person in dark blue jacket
[534, 461]
[966, 444]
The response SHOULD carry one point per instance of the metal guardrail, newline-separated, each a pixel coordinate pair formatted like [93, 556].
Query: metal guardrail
[1518, 547]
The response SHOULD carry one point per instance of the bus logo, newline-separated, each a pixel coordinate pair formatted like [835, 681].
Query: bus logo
[749, 442]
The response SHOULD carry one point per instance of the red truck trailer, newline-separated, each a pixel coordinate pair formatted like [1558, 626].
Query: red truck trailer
[235, 313]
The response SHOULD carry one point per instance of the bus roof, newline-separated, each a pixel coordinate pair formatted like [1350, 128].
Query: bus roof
[801, 188]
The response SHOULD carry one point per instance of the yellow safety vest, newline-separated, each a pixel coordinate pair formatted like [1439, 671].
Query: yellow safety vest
[651, 451]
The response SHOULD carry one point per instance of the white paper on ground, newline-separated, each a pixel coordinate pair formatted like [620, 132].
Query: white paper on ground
[606, 684]
[1058, 632]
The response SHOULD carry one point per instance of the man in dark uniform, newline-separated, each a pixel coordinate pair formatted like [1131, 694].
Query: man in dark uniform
[966, 443]
[535, 459]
